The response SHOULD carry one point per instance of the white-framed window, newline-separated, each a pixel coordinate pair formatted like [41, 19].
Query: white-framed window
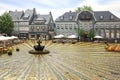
[101, 17]
[75, 26]
[62, 17]
[118, 34]
[66, 26]
[58, 26]
[62, 26]
[111, 17]
[71, 17]
[70, 26]
[117, 25]
[112, 33]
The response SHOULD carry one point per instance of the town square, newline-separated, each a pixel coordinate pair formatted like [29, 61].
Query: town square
[59, 40]
[80, 61]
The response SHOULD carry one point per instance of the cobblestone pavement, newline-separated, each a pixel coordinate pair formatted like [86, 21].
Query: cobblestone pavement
[80, 61]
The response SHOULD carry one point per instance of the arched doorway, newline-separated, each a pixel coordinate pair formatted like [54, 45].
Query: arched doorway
[86, 22]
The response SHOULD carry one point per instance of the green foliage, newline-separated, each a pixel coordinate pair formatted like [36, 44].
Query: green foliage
[81, 32]
[84, 8]
[91, 34]
[6, 24]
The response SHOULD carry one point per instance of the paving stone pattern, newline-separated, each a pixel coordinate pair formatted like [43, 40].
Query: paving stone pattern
[80, 61]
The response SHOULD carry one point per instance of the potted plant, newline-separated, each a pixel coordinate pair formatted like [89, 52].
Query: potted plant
[17, 49]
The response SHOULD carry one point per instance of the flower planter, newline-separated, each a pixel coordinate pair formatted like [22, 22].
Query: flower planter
[9, 53]
[17, 49]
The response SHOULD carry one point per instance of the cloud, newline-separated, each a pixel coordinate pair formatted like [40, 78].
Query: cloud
[55, 12]
[98, 5]
[56, 3]
[58, 7]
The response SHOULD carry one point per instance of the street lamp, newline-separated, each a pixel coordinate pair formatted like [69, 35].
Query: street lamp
[18, 26]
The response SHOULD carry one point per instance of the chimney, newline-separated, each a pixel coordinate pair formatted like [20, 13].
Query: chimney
[50, 12]
[70, 11]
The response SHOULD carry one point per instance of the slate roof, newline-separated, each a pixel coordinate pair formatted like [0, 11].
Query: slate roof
[39, 18]
[16, 15]
[28, 15]
[21, 15]
[68, 16]
[107, 16]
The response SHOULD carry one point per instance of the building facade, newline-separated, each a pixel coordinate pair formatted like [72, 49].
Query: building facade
[104, 23]
[31, 25]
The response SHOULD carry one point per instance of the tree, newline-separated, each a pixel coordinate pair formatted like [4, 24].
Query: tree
[91, 34]
[84, 8]
[81, 33]
[6, 24]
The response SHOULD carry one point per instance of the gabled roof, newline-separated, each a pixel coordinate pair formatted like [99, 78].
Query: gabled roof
[105, 16]
[41, 18]
[28, 15]
[98, 16]
[16, 15]
[68, 16]
[22, 16]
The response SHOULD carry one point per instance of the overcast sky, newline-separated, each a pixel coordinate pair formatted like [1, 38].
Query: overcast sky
[58, 7]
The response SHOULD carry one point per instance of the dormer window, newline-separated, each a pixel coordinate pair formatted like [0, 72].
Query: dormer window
[71, 17]
[87, 17]
[101, 17]
[111, 17]
[83, 17]
[26, 16]
[37, 28]
[32, 27]
[62, 17]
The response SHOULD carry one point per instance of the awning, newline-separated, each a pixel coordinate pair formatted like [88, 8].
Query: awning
[98, 37]
[72, 36]
[59, 36]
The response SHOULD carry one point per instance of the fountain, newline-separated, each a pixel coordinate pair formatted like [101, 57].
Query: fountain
[38, 49]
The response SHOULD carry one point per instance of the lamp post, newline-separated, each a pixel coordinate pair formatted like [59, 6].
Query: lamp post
[18, 26]
[78, 28]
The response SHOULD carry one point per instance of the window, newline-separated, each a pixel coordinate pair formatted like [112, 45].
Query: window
[96, 25]
[112, 33]
[107, 25]
[83, 17]
[117, 25]
[87, 17]
[37, 27]
[62, 17]
[75, 27]
[112, 25]
[71, 17]
[66, 26]
[62, 26]
[107, 33]
[101, 25]
[111, 17]
[32, 27]
[85, 25]
[32, 36]
[26, 29]
[118, 34]
[70, 26]
[43, 27]
[101, 17]
[58, 26]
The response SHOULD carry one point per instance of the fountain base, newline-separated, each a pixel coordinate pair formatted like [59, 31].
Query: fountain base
[39, 52]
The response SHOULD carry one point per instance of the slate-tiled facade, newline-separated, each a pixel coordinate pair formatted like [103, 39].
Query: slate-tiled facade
[31, 25]
[104, 24]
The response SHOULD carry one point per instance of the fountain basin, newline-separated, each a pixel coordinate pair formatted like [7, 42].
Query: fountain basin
[39, 52]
